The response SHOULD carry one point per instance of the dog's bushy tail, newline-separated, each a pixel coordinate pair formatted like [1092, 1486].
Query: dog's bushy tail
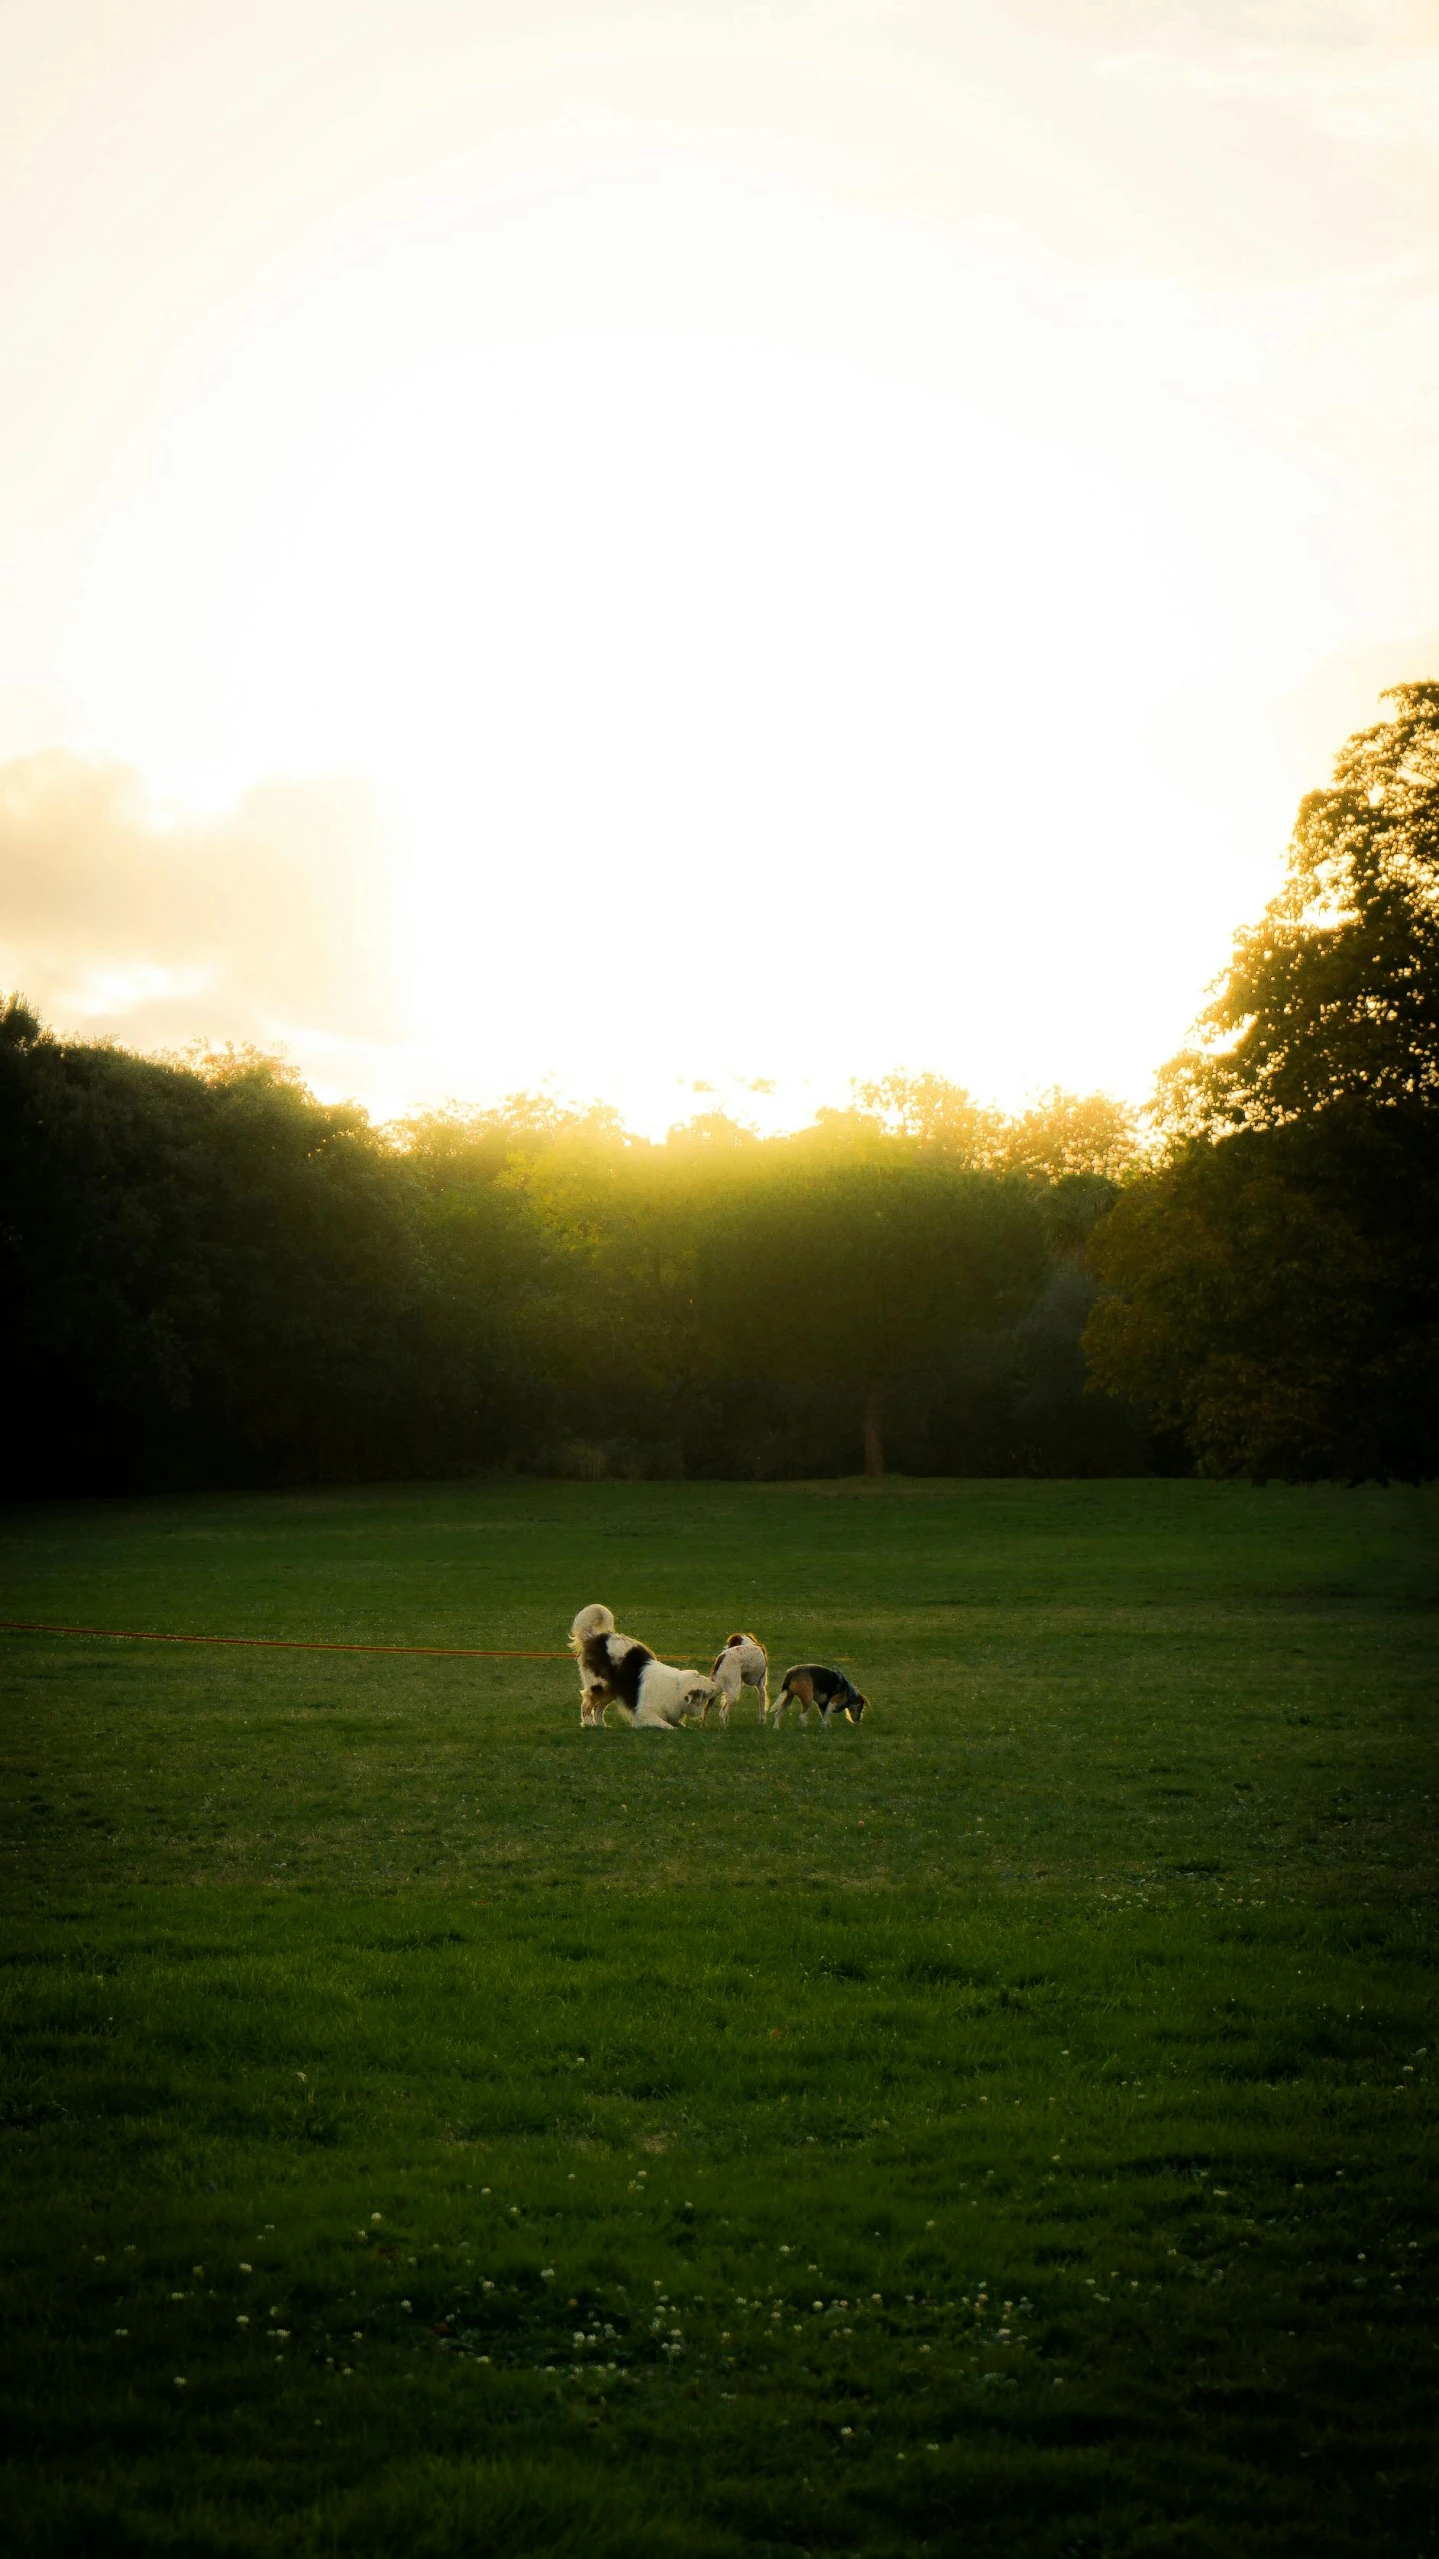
[595, 1619]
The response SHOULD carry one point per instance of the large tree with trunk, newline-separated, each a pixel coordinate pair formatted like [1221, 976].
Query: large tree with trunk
[858, 1273]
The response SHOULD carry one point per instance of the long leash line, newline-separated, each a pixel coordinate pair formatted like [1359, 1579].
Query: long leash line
[282, 1643]
[292, 1643]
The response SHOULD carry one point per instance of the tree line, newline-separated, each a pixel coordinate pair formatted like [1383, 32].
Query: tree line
[212, 1278]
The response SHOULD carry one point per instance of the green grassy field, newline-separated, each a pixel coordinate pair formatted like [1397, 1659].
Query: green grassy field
[1003, 2128]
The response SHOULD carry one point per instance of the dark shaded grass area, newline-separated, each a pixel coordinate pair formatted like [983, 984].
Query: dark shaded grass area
[1003, 2127]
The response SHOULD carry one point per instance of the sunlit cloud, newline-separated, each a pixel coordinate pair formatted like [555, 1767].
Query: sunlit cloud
[266, 925]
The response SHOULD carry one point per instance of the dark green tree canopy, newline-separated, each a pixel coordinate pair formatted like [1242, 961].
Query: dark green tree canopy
[1271, 1299]
[1272, 1291]
[209, 1277]
[860, 1272]
[1334, 993]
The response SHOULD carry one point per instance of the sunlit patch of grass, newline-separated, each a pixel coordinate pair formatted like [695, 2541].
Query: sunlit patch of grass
[1004, 2126]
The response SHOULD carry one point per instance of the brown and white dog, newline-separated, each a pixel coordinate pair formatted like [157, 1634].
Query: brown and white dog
[610, 1664]
[618, 1670]
[815, 1684]
[744, 1663]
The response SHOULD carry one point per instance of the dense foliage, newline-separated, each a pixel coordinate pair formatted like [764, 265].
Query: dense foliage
[1274, 1294]
[212, 1278]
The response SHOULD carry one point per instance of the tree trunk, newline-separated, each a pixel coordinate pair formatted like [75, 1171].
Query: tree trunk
[873, 1430]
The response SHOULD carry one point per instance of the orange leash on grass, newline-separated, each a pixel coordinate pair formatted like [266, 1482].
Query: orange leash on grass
[281, 1643]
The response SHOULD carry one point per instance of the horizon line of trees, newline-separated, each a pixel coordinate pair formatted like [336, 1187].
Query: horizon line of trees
[211, 1278]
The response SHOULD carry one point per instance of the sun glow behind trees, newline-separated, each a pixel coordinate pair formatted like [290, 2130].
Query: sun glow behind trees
[708, 661]
[838, 532]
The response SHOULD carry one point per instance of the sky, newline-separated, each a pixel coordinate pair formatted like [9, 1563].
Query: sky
[688, 553]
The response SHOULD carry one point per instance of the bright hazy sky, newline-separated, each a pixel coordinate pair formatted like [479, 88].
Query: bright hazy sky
[677, 545]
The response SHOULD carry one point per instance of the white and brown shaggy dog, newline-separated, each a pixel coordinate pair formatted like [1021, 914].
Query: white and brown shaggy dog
[618, 1670]
[744, 1663]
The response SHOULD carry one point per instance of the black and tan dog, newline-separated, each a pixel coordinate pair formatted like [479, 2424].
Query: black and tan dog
[815, 1684]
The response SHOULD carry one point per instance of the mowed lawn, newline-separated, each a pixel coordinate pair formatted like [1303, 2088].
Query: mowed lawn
[1006, 2127]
